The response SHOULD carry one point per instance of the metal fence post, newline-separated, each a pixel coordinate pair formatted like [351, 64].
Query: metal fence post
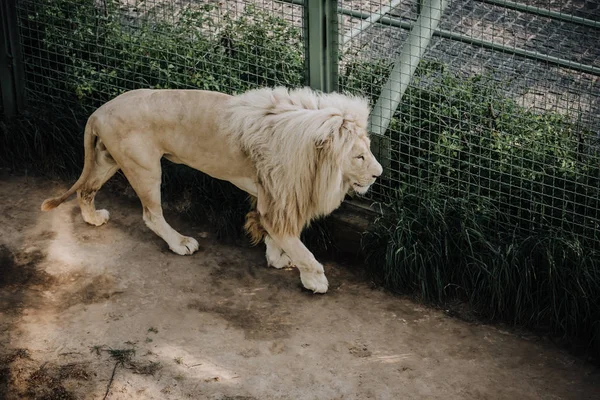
[321, 41]
[11, 64]
[411, 53]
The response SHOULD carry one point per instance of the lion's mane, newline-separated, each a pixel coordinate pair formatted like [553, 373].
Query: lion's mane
[297, 140]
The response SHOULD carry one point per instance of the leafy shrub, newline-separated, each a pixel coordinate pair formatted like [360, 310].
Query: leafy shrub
[461, 136]
[100, 55]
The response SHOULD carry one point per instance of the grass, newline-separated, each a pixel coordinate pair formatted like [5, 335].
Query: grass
[121, 356]
[489, 203]
[125, 358]
[442, 249]
[179, 377]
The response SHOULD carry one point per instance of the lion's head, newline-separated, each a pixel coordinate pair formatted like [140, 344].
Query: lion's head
[309, 150]
[360, 169]
[345, 143]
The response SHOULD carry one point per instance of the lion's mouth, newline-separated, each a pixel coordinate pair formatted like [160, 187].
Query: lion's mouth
[361, 189]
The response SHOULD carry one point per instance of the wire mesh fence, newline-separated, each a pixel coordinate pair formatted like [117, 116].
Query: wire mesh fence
[89, 51]
[502, 108]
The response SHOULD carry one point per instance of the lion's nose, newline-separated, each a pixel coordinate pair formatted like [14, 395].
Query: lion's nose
[379, 171]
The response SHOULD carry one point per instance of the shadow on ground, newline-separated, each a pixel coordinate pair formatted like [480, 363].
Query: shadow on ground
[86, 309]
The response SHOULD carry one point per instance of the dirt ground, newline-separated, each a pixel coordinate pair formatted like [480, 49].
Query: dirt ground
[79, 304]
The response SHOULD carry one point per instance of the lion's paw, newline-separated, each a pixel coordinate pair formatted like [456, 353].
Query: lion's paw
[315, 281]
[186, 246]
[100, 217]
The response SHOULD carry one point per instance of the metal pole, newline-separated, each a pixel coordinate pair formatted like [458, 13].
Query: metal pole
[543, 12]
[11, 66]
[373, 18]
[321, 38]
[411, 54]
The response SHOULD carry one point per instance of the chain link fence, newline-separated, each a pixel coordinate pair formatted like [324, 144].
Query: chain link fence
[502, 110]
[88, 51]
[502, 107]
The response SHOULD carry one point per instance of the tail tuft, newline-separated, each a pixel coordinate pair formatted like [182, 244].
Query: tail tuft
[254, 227]
[49, 204]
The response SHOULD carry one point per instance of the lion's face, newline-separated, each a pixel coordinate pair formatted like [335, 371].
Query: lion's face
[361, 169]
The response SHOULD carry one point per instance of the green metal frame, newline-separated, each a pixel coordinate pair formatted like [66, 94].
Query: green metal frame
[404, 68]
[321, 43]
[543, 12]
[372, 19]
[459, 37]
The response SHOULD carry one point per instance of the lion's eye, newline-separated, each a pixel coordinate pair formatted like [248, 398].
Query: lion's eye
[361, 157]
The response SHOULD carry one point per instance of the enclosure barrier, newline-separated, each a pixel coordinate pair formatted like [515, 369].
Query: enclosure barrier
[447, 132]
[321, 44]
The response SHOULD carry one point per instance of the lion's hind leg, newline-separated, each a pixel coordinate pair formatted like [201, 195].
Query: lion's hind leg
[104, 168]
[145, 178]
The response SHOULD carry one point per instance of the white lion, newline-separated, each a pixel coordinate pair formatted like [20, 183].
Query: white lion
[297, 152]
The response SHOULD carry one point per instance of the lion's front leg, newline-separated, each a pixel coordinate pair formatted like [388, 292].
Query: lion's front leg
[312, 273]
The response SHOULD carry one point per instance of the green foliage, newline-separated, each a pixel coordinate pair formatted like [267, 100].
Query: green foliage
[497, 205]
[100, 55]
[461, 136]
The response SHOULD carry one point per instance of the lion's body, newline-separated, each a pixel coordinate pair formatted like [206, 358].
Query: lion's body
[288, 150]
[182, 125]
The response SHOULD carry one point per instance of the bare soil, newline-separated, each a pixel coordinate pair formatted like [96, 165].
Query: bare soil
[79, 303]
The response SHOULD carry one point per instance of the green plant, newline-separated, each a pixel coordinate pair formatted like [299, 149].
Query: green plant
[441, 249]
[487, 202]
[100, 56]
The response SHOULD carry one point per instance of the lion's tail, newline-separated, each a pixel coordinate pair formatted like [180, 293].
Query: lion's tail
[89, 140]
[253, 225]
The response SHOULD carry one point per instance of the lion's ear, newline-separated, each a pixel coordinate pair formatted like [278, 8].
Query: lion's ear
[330, 128]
